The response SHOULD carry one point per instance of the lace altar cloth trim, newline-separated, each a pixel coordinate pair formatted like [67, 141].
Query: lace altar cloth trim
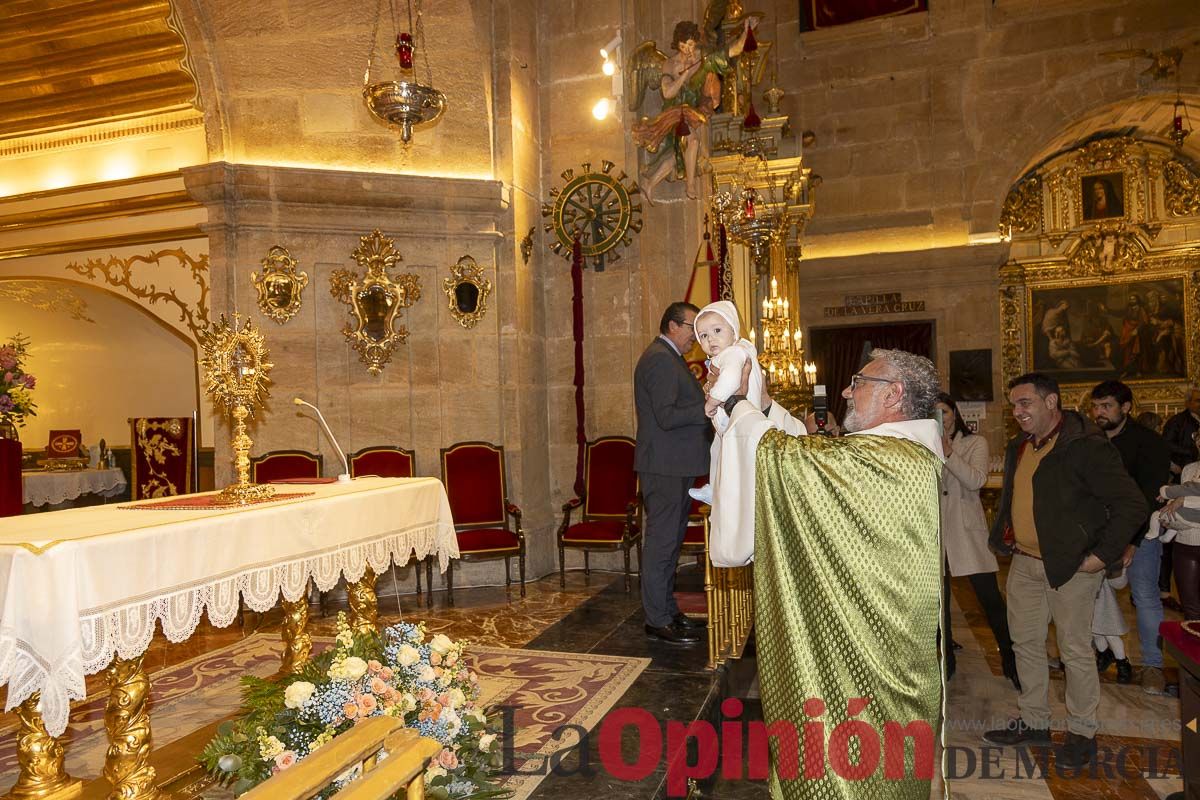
[206, 501]
[127, 631]
[40, 488]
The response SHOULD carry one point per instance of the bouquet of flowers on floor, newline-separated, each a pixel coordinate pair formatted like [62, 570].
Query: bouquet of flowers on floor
[15, 384]
[424, 683]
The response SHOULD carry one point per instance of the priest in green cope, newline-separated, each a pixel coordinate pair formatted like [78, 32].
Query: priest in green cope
[847, 582]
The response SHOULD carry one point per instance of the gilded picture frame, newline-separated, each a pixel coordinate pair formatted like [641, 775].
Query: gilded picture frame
[1102, 196]
[467, 290]
[280, 285]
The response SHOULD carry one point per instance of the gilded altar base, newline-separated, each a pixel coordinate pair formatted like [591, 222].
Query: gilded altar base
[42, 775]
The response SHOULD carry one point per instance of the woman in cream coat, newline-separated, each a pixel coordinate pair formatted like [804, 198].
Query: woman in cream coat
[965, 530]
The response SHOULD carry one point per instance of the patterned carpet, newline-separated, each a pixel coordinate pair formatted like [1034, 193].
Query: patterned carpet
[547, 689]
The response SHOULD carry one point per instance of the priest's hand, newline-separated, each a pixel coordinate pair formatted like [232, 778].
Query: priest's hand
[831, 426]
[713, 374]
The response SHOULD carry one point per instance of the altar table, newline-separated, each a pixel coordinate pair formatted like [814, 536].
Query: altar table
[41, 487]
[85, 587]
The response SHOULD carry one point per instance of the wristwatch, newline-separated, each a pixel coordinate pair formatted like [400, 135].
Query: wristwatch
[733, 401]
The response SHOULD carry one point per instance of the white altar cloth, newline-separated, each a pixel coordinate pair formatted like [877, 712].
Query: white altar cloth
[40, 488]
[80, 585]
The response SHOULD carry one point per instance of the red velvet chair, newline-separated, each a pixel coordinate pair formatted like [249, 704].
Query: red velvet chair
[487, 524]
[388, 461]
[385, 461]
[278, 465]
[610, 516]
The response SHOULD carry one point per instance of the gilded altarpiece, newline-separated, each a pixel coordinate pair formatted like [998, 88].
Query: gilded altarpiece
[1104, 278]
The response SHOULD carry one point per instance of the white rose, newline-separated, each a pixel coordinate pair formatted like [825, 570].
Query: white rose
[477, 715]
[409, 702]
[298, 693]
[445, 678]
[354, 668]
[452, 721]
[441, 644]
[434, 771]
[427, 674]
[457, 698]
[485, 741]
[408, 655]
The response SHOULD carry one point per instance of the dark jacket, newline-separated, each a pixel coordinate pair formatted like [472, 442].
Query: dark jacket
[1084, 502]
[673, 432]
[1147, 459]
[1178, 432]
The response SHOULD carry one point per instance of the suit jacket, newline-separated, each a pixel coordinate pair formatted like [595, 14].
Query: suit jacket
[672, 430]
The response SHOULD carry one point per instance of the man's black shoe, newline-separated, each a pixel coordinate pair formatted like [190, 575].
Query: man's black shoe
[672, 634]
[1104, 659]
[1017, 732]
[684, 622]
[1076, 752]
[1124, 671]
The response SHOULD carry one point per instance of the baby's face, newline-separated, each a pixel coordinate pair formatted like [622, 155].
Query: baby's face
[714, 333]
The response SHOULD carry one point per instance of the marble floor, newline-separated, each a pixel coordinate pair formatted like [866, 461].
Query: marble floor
[593, 614]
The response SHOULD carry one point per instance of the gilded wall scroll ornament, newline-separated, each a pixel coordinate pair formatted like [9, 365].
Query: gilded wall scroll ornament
[1022, 210]
[1107, 249]
[280, 285]
[118, 272]
[50, 296]
[468, 292]
[40, 775]
[598, 208]
[1181, 190]
[236, 374]
[375, 300]
[127, 764]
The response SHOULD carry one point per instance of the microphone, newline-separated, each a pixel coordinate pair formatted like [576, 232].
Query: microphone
[345, 476]
[820, 409]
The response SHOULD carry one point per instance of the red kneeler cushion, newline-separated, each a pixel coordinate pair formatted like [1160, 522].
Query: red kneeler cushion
[603, 530]
[482, 540]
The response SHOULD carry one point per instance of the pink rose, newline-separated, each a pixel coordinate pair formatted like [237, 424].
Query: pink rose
[350, 710]
[425, 695]
[447, 758]
[444, 699]
[378, 686]
[435, 658]
[374, 666]
[386, 673]
[368, 704]
[285, 759]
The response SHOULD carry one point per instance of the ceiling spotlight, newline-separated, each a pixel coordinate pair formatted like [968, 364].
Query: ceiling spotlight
[602, 109]
[608, 67]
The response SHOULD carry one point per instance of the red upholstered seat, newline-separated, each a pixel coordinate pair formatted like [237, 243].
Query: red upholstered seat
[600, 530]
[487, 523]
[484, 540]
[694, 535]
[384, 461]
[284, 464]
[610, 506]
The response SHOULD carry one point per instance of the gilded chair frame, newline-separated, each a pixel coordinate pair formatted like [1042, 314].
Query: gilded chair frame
[511, 515]
[631, 533]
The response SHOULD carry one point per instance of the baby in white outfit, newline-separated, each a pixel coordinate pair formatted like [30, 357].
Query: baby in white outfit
[717, 331]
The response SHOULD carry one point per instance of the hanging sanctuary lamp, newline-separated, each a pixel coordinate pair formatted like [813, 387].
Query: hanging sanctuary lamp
[405, 103]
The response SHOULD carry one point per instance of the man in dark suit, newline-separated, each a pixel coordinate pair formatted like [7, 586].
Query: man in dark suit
[672, 450]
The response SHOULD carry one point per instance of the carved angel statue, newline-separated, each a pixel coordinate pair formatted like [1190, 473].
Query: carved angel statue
[690, 82]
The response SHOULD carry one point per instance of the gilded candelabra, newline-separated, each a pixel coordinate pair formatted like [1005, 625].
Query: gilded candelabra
[781, 353]
[236, 369]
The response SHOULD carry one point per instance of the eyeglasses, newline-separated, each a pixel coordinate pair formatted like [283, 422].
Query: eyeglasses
[690, 325]
[857, 379]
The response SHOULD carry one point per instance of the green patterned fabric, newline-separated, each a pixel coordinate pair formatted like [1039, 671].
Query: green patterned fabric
[847, 589]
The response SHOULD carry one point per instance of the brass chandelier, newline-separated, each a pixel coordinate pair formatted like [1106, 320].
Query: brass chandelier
[405, 103]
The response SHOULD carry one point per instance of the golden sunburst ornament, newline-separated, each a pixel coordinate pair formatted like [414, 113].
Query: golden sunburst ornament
[236, 374]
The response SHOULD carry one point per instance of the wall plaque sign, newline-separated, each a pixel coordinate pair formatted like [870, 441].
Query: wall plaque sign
[863, 305]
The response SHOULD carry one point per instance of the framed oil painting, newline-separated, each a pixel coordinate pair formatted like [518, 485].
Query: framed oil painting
[971, 375]
[1133, 331]
[1103, 196]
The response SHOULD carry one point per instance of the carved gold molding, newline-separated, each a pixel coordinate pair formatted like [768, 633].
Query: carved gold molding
[1022, 210]
[118, 272]
[1107, 249]
[43, 296]
[1181, 190]
[105, 209]
[467, 290]
[103, 242]
[376, 300]
[280, 286]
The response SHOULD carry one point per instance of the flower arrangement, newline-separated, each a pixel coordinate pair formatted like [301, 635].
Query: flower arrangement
[15, 384]
[398, 673]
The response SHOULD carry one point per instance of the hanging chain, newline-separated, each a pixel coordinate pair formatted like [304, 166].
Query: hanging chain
[419, 36]
[374, 37]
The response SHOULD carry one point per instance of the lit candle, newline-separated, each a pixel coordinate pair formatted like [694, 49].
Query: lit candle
[766, 307]
[774, 287]
[785, 306]
[752, 336]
